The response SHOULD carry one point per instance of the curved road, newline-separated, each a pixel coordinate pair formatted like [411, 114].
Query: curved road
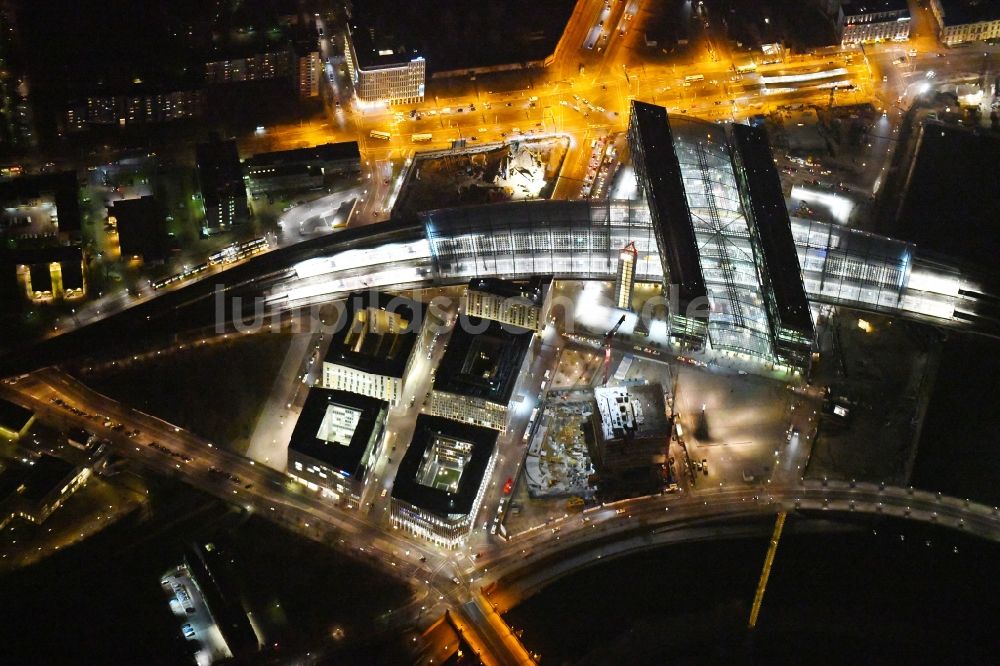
[509, 570]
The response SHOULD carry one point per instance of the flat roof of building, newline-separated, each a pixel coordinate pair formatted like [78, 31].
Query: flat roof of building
[503, 31]
[633, 412]
[142, 227]
[444, 465]
[61, 185]
[667, 201]
[862, 7]
[380, 44]
[13, 417]
[34, 481]
[959, 12]
[532, 290]
[953, 211]
[335, 427]
[770, 218]
[218, 167]
[483, 359]
[326, 152]
[376, 333]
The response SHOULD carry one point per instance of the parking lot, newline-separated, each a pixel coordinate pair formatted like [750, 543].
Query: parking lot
[194, 618]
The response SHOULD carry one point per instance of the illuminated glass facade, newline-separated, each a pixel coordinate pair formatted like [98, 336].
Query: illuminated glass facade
[566, 239]
[851, 267]
[738, 320]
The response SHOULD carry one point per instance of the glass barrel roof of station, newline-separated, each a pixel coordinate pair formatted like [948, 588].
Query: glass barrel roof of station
[738, 319]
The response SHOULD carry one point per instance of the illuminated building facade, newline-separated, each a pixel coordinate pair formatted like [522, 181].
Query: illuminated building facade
[32, 492]
[372, 349]
[336, 440]
[309, 70]
[662, 184]
[223, 191]
[383, 73]
[962, 21]
[254, 67]
[15, 420]
[47, 274]
[625, 282]
[442, 479]
[566, 239]
[520, 304]
[134, 109]
[301, 168]
[789, 320]
[478, 372]
[867, 21]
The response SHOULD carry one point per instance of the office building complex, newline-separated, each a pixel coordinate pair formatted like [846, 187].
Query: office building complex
[625, 278]
[867, 21]
[478, 372]
[142, 228]
[335, 442]
[222, 189]
[789, 320]
[661, 181]
[632, 426]
[301, 168]
[372, 348]
[50, 273]
[32, 492]
[518, 304]
[442, 478]
[630, 442]
[382, 71]
[41, 206]
[15, 420]
[962, 21]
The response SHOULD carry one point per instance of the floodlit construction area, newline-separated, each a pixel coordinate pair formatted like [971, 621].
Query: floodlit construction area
[558, 463]
[518, 169]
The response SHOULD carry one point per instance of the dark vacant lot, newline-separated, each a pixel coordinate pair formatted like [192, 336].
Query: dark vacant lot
[215, 390]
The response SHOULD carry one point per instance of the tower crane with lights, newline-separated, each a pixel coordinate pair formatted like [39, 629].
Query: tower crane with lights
[608, 337]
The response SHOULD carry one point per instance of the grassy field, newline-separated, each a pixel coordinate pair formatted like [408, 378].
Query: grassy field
[216, 390]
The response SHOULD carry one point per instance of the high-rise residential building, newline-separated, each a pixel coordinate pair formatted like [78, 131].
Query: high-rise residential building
[261, 66]
[310, 71]
[133, 109]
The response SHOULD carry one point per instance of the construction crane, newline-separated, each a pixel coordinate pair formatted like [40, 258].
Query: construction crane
[607, 348]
